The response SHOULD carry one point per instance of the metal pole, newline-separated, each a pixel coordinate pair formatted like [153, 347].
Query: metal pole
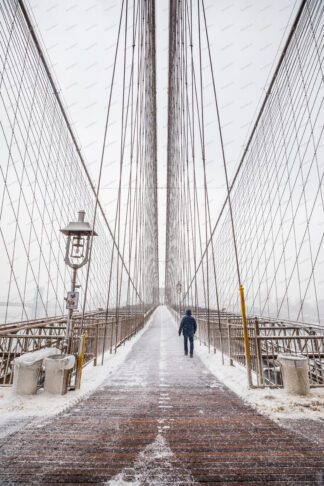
[80, 363]
[70, 321]
[246, 338]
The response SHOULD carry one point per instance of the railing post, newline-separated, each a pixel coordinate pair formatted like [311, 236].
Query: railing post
[260, 377]
[96, 346]
[116, 333]
[208, 330]
[221, 337]
[229, 343]
[246, 338]
[104, 343]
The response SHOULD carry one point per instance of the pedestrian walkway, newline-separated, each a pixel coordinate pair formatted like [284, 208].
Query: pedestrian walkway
[162, 420]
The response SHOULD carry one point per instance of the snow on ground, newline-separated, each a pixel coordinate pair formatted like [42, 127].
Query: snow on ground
[274, 402]
[14, 408]
[155, 465]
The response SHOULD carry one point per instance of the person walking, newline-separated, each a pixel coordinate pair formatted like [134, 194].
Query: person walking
[188, 327]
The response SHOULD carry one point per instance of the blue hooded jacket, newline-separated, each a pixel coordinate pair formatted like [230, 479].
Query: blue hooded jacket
[188, 325]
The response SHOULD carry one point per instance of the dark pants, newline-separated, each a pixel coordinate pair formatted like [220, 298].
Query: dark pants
[191, 339]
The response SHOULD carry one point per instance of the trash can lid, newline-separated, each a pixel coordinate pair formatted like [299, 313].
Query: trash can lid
[35, 357]
[292, 359]
[60, 362]
[57, 356]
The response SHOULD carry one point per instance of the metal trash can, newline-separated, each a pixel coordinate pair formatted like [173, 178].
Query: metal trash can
[294, 371]
[57, 372]
[27, 369]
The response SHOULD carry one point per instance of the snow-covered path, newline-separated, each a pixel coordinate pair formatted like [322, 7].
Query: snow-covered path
[162, 418]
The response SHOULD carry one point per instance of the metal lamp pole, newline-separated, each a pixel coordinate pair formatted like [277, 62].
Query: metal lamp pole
[76, 256]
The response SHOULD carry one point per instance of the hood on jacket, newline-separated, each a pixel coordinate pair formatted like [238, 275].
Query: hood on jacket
[188, 312]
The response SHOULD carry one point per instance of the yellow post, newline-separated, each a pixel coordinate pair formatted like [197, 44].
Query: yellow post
[80, 364]
[246, 338]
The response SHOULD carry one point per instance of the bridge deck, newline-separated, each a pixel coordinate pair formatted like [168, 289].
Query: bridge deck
[160, 422]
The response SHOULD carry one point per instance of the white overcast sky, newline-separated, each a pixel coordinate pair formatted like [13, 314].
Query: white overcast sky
[79, 38]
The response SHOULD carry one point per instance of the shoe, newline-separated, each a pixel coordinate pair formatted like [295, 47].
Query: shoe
[191, 356]
[186, 354]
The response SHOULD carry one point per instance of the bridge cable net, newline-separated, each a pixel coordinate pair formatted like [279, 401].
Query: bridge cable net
[45, 182]
[272, 242]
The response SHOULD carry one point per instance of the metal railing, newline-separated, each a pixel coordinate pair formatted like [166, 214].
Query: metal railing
[104, 332]
[268, 338]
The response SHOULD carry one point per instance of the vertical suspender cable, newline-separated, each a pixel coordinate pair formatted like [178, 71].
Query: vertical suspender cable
[241, 290]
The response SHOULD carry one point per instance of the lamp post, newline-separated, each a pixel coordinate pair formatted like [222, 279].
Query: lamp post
[76, 256]
[179, 289]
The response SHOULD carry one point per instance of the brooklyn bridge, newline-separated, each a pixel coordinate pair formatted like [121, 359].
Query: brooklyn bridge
[156, 158]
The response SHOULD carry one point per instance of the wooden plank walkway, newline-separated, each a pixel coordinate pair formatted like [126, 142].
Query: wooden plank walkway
[164, 419]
